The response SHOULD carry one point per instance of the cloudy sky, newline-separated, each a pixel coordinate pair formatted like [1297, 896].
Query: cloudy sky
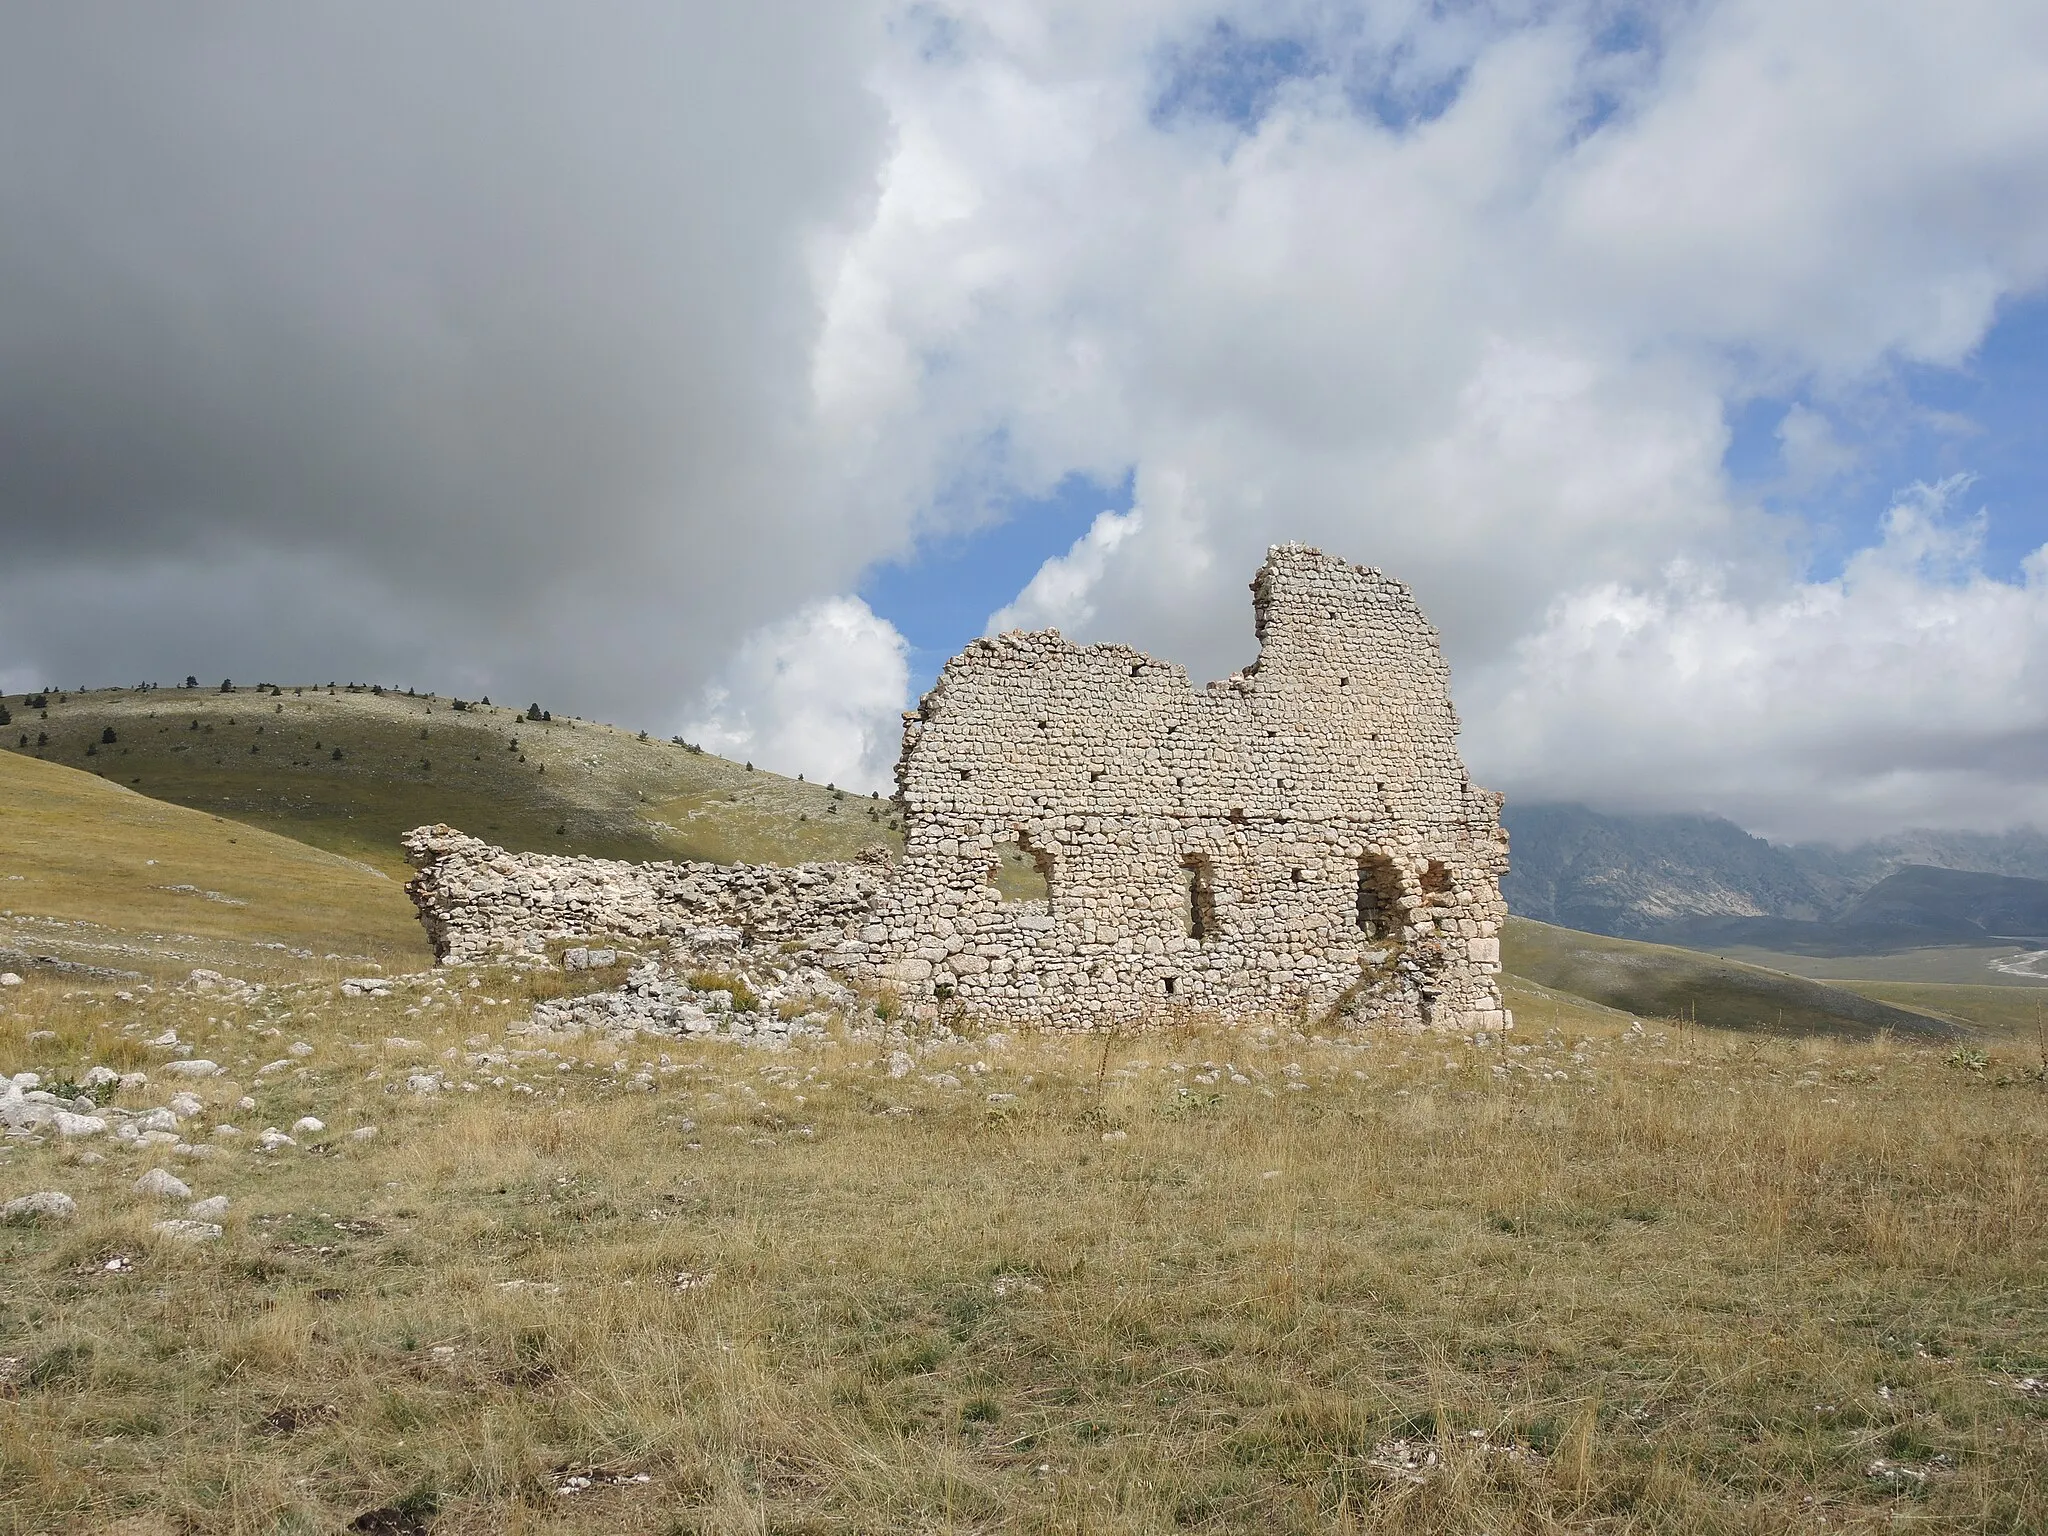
[722, 367]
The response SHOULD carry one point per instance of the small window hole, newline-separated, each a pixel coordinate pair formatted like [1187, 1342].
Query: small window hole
[1379, 896]
[1200, 912]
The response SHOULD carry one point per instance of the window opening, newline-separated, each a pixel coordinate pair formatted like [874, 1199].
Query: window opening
[1379, 896]
[1020, 872]
[1200, 913]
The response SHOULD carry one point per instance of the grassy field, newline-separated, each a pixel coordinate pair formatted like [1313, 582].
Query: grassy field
[1660, 981]
[97, 874]
[352, 771]
[1602, 1278]
[1959, 965]
[2020, 1013]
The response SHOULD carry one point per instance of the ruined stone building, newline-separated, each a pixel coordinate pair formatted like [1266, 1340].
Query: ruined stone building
[1300, 838]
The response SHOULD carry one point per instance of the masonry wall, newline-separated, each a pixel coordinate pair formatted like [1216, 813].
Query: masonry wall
[1300, 837]
[482, 903]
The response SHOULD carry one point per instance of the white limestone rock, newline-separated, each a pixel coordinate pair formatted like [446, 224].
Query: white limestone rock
[43, 1205]
[162, 1184]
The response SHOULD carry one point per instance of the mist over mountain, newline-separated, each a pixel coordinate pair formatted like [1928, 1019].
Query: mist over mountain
[1704, 880]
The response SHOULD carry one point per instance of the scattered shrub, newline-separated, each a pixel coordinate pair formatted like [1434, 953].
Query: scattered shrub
[107, 737]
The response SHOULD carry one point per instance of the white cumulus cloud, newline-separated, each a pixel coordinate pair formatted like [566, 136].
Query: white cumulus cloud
[819, 693]
[1493, 348]
[1844, 707]
[1061, 595]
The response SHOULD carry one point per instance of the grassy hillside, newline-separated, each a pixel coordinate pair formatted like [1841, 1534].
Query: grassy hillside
[93, 871]
[351, 771]
[1662, 982]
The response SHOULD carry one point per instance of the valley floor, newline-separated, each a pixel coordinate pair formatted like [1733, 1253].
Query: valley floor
[1598, 1276]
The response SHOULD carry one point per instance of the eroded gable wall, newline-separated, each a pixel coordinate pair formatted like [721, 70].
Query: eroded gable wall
[1301, 836]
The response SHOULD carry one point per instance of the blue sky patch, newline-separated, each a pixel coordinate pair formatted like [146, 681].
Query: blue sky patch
[1986, 419]
[943, 595]
[1231, 77]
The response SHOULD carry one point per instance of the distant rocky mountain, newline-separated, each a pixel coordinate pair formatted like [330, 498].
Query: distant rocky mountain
[1703, 881]
[1632, 876]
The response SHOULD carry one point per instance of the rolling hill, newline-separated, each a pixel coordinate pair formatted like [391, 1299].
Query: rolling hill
[94, 873]
[351, 769]
[1669, 983]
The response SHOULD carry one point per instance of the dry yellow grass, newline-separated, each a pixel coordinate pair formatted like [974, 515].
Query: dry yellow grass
[94, 872]
[1595, 1278]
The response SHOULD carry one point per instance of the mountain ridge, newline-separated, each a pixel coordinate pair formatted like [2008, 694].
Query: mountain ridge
[1703, 879]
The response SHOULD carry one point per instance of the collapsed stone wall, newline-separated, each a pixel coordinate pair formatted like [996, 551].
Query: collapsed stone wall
[1300, 837]
[481, 903]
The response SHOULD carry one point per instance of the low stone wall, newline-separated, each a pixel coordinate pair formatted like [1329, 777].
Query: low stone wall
[483, 903]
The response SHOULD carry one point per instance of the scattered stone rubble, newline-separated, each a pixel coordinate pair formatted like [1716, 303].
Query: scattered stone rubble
[1300, 838]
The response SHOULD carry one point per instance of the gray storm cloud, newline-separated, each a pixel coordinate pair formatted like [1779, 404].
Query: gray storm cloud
[461, 341]
[590, 352]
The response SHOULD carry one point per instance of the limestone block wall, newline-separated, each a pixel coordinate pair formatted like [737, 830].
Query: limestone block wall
[1301, 836]
[484, 903]
[1298, 838]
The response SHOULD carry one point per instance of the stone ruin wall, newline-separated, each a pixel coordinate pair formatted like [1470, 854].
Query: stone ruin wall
[1300, 838]
[480, 903]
